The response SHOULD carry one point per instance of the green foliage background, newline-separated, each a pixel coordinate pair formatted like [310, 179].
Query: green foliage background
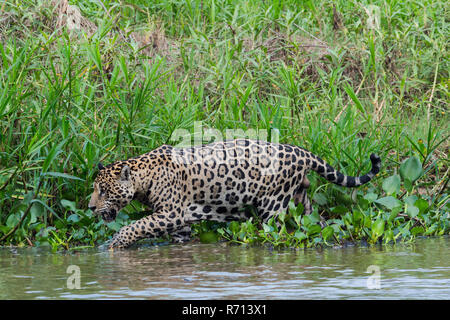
[340, 78]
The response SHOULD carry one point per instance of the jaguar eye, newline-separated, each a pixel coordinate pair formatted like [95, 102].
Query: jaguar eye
[101, 192]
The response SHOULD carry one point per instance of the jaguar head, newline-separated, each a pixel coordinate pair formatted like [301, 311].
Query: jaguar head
[113, 190]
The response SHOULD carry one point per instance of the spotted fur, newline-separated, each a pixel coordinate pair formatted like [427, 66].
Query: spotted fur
[209, 182]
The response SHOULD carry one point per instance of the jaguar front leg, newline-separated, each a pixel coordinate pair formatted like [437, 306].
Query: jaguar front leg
[157, 225]
[182, 235]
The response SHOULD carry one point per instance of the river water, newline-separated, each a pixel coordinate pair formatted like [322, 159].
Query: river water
[420, 270]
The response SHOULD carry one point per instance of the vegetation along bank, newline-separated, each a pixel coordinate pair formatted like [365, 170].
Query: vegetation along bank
[83, 82]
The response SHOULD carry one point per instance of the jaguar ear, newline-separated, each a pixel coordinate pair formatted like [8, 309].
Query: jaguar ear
[125, 173]
[100, 166]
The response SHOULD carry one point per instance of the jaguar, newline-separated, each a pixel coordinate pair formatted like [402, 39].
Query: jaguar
[217, 181]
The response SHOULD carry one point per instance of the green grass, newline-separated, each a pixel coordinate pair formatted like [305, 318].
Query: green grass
[339, 83]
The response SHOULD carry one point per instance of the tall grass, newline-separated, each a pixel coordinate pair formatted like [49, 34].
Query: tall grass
[328, 75]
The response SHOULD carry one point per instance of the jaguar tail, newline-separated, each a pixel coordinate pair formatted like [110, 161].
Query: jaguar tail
[336, 177]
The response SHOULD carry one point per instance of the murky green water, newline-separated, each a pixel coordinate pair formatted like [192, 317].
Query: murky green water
[217, 271]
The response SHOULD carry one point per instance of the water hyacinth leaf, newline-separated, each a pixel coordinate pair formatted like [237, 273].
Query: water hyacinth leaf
[363, 203]
[315, 217]
[335, 227]
[234, 227]
[314, 229]
[79, 234]
[12, 220]
[378, 227]
[388, 236]
[357, 217]
[411, 169]
[300, 235]
[394, 213]
[43, 232]
[37, 227]
[36, 211]
[74, 218]
[88, 214]
[317, 240]
[391, 185]
[327, 232]
[251, 228]
[299, 210]
[371, 197]
[347, 218]
[266, 228]
[114, 225]
[70, 205]
[121, 216]
[432, 229]
[389, 202]
[306, 221]
[417, 230]
[411, 200]
[291, 206]
[412, 211]
[27, 198]
[367, 221]
[408, 185]
[422, 205]
[33, 217]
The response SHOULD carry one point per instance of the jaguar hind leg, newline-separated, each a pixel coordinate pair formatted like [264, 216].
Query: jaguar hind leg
[301, 196]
